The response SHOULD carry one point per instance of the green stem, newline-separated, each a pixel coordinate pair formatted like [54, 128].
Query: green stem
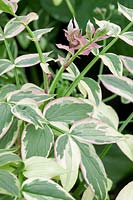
[101, 65]
[41, 57]
[68, 2]
[91, 64]
[109, 98]
[12, 60]
[122, 127]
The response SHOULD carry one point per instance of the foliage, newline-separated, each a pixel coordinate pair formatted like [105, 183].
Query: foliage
[48, 137]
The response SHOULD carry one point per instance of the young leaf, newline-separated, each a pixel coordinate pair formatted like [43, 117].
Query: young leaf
[16, 25]
[9, 158]
[36, 142]
[68, 156]
[127, 12]
[128, 63]
[40, 188]
[10, 137]
[5, 66]
[126, 192]
[28, 111]
[122, 86]
[37, 166]
[9, 184]
[126, 146]
[93, 171]
[127, 37]
[67, 109]
[113, 62]
[88, 194]
[6, 7]
[94, 131]
[90, 88]
[106, 114]
[6, 119]
[113, 29]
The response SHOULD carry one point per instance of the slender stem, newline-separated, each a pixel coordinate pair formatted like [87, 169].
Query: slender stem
[91, 64]
[12, 60]
[109, 98]
[68, 2]
[101, 65]
[41, 57]
[122, 127]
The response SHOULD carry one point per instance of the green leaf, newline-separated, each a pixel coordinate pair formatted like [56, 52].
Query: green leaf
[126, 146]
[67, 109]
[6, 197]
[127, 12]
[32, 92]
[6, 7]
[121, 86]
[93, 171]
[68, 156]
[36, 142]
[91, 88]
[28, 111]
[94, 131]
[7, 158]
[128, 63]
[42, 189]
[6, 119]
[88, 194]
[57, 2]
[113, 62]
[9, 184]
[16, 25]
[10, 137]
[113, 29]
[106, 114]
[5, 66]
[127, 37]
[37, 166]
[126, 192]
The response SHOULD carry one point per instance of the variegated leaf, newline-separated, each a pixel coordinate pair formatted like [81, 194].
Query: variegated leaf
[40, 188]
[6, 197]
[88, 194]
[28, 111]
[91, 88]
[40, 32]
[93, 171]
[127, 12]
[36, 142]
[121, 86]
[106, 114]
[10, 137]
[5, 66]
[16, 25]
[6, 6]
[126, 146]
[72, 72]
[29, 60]
[113, 62]
[67, 109]
[68, 156]
[31, 93]
[113, 29]
[37, 166]
[1, 36]
[7, 158]
[94, 131]
[6, 119]
[127, 37]
[6, 89]
[9, 184]
[128, 63]
[126, 192]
